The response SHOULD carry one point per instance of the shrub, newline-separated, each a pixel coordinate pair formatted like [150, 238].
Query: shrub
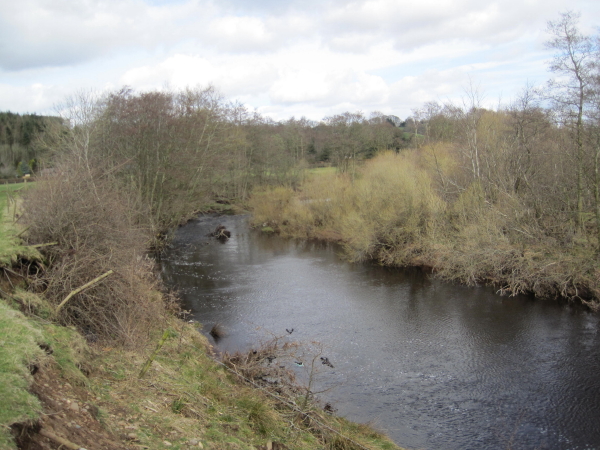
[96, 228]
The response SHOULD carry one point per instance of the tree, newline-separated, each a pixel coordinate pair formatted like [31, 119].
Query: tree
[346, 139]
[593, 136]
[573, 62]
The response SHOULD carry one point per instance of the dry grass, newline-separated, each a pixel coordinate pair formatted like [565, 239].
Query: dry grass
[187, 395]
[185, 398]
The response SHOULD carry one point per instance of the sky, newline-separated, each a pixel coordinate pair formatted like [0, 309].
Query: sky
[282, 58]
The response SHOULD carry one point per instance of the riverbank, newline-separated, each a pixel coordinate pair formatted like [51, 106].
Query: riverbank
[100, 375]
[93, 397]
[391, 213]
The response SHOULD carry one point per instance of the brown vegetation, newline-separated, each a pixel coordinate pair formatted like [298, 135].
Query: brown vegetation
[395, 214]
[508, 196]
[221, 233]
[95, 229]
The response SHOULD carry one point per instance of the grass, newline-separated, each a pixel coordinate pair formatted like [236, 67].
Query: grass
[10, 244]
[19, 350]
[185, 396]
[23, 345]
[323, 170]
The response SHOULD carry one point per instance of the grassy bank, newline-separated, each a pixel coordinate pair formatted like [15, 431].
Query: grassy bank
[92, 396]
[115, 368]
[393, 212]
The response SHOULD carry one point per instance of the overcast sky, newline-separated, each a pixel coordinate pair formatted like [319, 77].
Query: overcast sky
[281, 57]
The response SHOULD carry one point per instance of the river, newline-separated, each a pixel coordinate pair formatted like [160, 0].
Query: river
[434, 365]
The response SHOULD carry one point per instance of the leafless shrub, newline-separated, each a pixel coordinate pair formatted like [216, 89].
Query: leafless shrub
[267, 366]
[96, 229]
[290, 369]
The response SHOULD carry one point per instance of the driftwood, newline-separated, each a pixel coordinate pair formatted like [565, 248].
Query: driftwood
[82, 288]
[221, 233]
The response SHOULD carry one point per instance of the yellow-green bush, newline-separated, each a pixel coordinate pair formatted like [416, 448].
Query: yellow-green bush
[402, 209]
[269, 205]
[393, 207]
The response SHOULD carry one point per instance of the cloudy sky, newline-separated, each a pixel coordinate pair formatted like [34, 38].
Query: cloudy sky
[281, 57]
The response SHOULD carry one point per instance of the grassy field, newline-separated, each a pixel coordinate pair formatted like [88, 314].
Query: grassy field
[7, 193]
[10, 244]
[185, 400]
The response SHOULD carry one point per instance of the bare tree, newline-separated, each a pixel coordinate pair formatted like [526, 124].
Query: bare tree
[594, 136]
[573, 63]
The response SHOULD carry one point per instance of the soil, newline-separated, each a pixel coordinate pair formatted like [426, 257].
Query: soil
[69, 414]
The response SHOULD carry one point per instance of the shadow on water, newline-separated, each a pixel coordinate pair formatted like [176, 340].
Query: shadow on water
[435, 365]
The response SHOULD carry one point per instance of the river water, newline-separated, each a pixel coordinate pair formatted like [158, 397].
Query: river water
[432, 364]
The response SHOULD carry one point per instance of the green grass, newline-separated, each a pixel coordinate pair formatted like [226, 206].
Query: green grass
[185, 394]
[13, 188]
[19, 339]
[21, 342]
[10, 244]
[322, 170]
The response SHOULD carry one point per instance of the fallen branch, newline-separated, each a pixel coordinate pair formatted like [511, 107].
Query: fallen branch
[60, 440]
[82, 288]
[22, 231]
[43, 245]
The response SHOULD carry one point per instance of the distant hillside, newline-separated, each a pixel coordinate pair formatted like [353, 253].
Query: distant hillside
[19, 151]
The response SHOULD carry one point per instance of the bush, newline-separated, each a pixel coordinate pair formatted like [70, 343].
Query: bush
[401, 210]
[96, 228]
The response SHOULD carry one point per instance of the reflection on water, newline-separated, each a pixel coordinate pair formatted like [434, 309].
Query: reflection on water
[434, 365]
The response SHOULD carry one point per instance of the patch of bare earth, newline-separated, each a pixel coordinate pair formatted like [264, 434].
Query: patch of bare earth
[69, 420]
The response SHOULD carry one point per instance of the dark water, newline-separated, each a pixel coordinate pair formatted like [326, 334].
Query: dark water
[434, 365]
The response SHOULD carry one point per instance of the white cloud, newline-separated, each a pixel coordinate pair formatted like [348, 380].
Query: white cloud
[240, 33]
[35, 98]
[61, 32]
[284, 57]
